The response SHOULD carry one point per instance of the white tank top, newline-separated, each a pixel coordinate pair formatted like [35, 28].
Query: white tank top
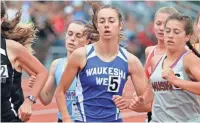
[172, 104]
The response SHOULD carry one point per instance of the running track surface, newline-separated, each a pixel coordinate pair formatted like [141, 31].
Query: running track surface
[48, 113]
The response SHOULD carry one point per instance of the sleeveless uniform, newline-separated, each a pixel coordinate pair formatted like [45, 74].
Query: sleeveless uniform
[70, 94]
[17, 96]
[98, 81]
[172, 104]
[8, 114]
[148, 72]
[147, 66]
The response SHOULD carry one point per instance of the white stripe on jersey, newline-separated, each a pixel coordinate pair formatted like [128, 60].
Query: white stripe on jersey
[2, 51]
[12, 107]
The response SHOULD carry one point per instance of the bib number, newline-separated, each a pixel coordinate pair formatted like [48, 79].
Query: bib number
[180, 76]
[74, 108]
[4, 71]
[114, 83]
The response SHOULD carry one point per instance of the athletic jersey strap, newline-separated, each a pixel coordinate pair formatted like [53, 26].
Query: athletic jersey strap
[148, 69]
[89, 49]
[183, 54]
[123, 52]
[151, 54]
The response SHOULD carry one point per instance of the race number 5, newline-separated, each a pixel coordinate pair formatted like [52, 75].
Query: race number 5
[114, 83]
[3, 71]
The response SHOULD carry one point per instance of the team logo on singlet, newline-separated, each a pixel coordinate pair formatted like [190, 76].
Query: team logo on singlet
[3, 73]
[149, 70]
[70, 95]
[162, 86]
[165, 85]
[114, 79]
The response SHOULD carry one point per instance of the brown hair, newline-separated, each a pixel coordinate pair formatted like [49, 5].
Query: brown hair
[95, 5]
[22, 33]
[188, 23]
[167, 10]
[3, 9]
[92, 28]
[83, 23]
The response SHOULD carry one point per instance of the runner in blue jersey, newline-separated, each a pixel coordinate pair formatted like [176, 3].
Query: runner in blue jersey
[75, 38]
[102, 69]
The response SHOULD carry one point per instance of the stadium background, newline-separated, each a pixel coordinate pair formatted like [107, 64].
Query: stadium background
[51, 18]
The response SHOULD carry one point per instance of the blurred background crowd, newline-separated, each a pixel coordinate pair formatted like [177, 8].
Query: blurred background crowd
[51, 18]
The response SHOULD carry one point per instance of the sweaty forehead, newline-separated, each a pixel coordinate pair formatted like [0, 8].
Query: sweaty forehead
[107, 12]
[76, 28]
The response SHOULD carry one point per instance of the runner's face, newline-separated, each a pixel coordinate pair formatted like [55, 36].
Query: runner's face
[174, 35]
[159, 25]
[74, 37]
[108, 23]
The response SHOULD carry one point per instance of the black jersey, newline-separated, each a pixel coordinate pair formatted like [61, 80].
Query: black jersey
[6, 71]
[17, 96]
[6, 77]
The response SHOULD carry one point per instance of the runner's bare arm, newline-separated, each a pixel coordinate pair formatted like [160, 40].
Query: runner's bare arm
[47, 92]
[30, 64]
[137, 74]
[192, 67]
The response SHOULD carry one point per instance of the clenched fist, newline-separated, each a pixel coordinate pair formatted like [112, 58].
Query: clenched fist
[169, 75]
[136, 102]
